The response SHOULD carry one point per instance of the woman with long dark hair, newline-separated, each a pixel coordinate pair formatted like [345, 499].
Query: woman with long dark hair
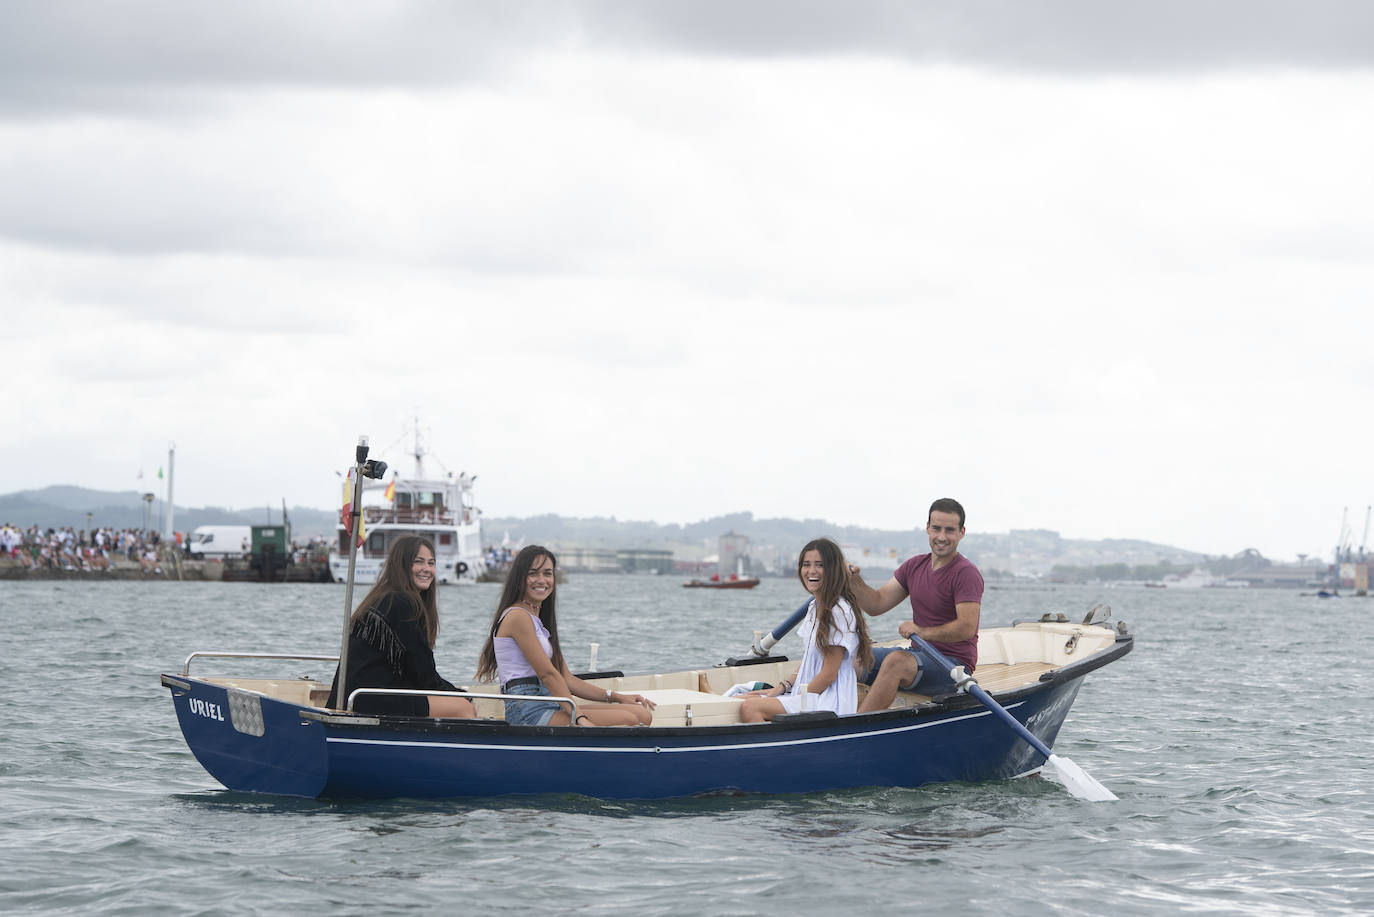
[522, 651]
[837, 644]
[391, 638]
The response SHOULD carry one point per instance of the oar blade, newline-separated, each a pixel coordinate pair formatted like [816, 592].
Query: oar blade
[1078, 781]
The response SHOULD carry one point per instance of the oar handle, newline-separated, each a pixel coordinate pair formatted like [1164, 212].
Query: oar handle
[966, 682]
[765, 643]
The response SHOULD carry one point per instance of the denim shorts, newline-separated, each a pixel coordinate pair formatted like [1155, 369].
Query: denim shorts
[527, 712]
[932, 679]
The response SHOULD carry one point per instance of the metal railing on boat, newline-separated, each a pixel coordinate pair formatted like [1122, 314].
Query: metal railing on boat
[186, 667]
[352, 696]
[413, 692]
[374, 515]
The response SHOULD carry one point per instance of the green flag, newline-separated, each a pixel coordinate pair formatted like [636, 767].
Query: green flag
[159, 472]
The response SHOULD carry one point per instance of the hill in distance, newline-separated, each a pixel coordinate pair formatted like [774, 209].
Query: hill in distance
[80, 507]
[1034, 551]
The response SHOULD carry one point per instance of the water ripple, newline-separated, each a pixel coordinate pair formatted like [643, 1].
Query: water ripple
[1242, 794]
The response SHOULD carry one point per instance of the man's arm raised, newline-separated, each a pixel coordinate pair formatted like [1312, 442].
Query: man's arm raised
[875, 601]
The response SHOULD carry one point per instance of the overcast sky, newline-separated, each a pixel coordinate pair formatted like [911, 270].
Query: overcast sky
[1103, 268]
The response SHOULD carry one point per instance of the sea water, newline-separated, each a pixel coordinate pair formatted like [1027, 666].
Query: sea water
[1237, 736]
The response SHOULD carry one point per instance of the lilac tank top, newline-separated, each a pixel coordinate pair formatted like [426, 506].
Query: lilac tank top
[510, 662]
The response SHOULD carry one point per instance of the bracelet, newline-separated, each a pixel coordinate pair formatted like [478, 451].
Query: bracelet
[608, 695]
[581, 716]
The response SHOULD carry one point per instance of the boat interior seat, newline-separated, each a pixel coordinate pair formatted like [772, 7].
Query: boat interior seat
[698, 692]
[304, 691]
[702, 690]
[1051, 644]
[1008, 658]
[721, 679]
[686, 707]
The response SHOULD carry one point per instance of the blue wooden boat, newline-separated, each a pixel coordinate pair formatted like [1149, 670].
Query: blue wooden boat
[272, 735]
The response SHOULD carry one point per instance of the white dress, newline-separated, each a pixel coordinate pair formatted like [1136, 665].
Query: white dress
[843, 694]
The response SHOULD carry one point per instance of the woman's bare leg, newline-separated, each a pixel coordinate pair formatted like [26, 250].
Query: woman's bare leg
[756, 709]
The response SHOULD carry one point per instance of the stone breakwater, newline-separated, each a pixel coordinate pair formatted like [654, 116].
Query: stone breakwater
[173, 567]
[11, 569]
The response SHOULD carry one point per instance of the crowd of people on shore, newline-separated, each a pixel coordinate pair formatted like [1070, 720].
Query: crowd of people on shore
[499, 558]
[66, 548]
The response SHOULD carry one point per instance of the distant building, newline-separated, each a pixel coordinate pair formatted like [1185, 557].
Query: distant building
[733, 554]
[1276, 575]
[588, 560]
[644, 560]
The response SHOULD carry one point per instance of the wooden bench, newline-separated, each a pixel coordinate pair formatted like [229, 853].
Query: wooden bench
[304, 691]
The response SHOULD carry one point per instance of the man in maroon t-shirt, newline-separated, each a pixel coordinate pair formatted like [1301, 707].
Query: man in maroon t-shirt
[946, 593]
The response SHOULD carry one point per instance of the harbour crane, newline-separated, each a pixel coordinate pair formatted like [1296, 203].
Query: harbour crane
[1364, 539]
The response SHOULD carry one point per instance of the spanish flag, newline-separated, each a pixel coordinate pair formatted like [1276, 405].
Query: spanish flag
[391, 490]
[346, 514]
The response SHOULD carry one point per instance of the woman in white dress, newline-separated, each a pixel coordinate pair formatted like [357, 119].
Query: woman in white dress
[837, 644]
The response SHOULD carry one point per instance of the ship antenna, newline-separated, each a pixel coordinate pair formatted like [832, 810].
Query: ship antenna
[418, 451]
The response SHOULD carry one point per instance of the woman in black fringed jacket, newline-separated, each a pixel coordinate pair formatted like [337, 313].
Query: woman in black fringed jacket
[391, 639]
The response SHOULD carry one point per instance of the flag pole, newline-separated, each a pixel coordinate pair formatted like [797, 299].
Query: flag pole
[354, 512]
[170, 533]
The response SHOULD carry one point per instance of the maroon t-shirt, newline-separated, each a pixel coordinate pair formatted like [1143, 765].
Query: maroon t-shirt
[934, 593]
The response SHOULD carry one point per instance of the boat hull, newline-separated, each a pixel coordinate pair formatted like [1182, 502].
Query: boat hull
[248, 741]
[887, 750]
[252, 742]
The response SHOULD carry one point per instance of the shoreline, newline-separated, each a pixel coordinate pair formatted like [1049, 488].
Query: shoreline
[119, 570]
[170, 570]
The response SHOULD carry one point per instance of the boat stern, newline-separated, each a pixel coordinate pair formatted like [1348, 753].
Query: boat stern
[249, 741]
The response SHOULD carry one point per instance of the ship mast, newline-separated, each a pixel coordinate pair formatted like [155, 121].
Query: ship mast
[418, 452]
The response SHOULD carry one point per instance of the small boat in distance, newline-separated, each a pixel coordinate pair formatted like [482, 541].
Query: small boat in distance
[439, 508]
[733, 581]
[731, 546]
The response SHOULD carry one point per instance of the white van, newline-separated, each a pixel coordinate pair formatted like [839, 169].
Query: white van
[220, 541]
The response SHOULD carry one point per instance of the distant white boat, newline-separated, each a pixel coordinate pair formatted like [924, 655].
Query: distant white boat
[438, 508]
[1194, 579]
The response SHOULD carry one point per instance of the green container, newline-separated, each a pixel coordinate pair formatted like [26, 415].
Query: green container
[271, 538]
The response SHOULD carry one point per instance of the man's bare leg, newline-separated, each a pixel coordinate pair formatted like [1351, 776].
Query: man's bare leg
[898, 669]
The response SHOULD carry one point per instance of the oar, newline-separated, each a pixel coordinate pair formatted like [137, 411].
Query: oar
[765, 643]
[1075, 779]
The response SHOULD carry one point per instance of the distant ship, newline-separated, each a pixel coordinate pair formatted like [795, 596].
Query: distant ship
[438, 508]
[734, 581]
[720, 580]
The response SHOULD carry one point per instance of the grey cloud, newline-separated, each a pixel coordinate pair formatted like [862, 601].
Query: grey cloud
[76, 53]
[1051, 35]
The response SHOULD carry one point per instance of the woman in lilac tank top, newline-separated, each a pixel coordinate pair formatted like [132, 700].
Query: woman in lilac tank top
[522, 650]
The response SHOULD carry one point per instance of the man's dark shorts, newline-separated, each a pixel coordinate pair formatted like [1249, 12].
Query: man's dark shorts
[931, 680]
